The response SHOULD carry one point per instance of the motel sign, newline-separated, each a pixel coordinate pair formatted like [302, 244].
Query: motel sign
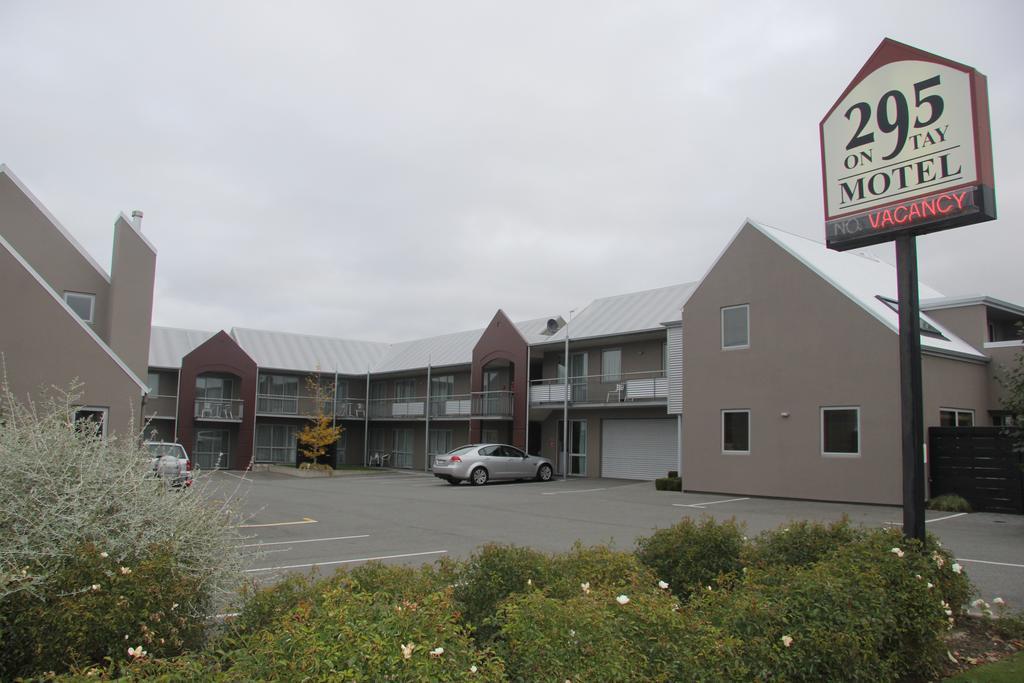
[906, 149]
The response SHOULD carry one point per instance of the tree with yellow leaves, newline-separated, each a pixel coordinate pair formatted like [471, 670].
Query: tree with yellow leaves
[320, 433]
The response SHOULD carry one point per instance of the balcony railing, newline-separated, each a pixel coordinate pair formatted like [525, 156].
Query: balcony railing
[405, 408]
[625, 388]
[492, 404]
[229, 409]
[481, 404]
[161, 406]
[452, 406]
[305, 406]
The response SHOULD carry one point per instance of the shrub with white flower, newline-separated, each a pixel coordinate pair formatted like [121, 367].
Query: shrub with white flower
[897, 552]
[125, 571]
[956, 568]
[663, 585]
[407, 649]
[585, 587]
[622, 599]
[999, 602]
[136, 652]
[787, 640]
[437, 652]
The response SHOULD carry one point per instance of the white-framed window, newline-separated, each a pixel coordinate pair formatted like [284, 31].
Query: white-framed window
[84, 305]
[92, 418]
[736, 432]
[840, 431]
[956, 417]
[736, 327]
[611, 365]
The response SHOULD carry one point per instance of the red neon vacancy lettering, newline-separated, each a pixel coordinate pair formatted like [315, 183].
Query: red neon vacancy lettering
[908, 214]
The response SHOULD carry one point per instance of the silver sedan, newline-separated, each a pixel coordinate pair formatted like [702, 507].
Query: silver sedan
[480, 463]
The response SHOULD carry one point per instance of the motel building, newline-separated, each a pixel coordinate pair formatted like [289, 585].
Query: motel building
[775, 373]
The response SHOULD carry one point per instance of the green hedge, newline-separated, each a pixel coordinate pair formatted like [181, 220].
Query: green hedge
[695, 602]
[692, 555]
[668, 484]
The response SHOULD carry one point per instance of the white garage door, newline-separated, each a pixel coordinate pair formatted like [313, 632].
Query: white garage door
[639, 449]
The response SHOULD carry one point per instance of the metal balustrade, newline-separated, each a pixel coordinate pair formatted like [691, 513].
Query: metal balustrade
[161, 406]
[492, 404]
[225, 409]
[624, 388]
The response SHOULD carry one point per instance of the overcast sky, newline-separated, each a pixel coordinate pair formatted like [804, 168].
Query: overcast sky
[393, 170]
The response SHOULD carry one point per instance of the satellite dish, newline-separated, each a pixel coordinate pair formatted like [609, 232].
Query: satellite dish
[553, 326]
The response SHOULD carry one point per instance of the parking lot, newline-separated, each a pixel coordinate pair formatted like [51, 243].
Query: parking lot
[295, 524]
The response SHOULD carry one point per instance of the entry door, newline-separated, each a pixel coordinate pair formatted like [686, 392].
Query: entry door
[403, 448]
[212, 449]
[577, 446]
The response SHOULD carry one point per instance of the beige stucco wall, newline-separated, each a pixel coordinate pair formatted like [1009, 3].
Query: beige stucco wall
[1003, 358]
[132, 272]
[970, 323]
[810, 347]
[44, 345]
[31, 233]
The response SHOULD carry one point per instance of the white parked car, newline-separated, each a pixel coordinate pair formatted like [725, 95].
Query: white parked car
[170, 462]
[480, 463]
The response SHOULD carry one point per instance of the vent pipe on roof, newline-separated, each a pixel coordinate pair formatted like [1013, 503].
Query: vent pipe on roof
[137, 219]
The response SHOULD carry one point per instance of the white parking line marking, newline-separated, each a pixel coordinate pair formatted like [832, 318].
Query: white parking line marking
[308, 540]
[713, 502]
[1001, 564]
[929, 521]
[305, 520]
[359, 559]
[557, 493]
[237, 476]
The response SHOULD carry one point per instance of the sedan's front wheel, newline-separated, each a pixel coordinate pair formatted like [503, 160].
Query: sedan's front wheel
[479, 476]
[544, 473]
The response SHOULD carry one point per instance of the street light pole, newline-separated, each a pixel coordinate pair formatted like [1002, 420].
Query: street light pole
[565, 405]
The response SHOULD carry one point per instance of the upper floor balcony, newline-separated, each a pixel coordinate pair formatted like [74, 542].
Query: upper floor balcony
[306, 406]
[219, 409]
[624, 388]
[161, 406]
[480, 404]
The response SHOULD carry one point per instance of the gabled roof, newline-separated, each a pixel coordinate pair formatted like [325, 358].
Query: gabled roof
[5, 171]
[444, 350]
[863, 279]
[972, 300]
[626, 313]
[168, 345]
[59, 301]
[306, 352]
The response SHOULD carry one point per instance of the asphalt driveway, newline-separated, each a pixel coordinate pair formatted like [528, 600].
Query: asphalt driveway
[297, 524]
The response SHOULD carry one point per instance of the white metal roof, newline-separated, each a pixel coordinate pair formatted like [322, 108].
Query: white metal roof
[168, 345]
[863, 279]
[306, 352]
[626, 313]
[971, 300]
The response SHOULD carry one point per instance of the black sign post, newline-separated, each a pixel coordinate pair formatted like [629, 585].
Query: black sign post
[906, 150]
[911, 402]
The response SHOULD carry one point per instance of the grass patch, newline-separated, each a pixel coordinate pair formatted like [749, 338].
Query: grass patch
[1009, 670]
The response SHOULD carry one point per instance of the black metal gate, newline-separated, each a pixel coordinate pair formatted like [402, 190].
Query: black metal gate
[979, 464]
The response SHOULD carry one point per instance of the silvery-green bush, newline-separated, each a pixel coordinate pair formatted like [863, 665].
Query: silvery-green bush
[96, 555]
